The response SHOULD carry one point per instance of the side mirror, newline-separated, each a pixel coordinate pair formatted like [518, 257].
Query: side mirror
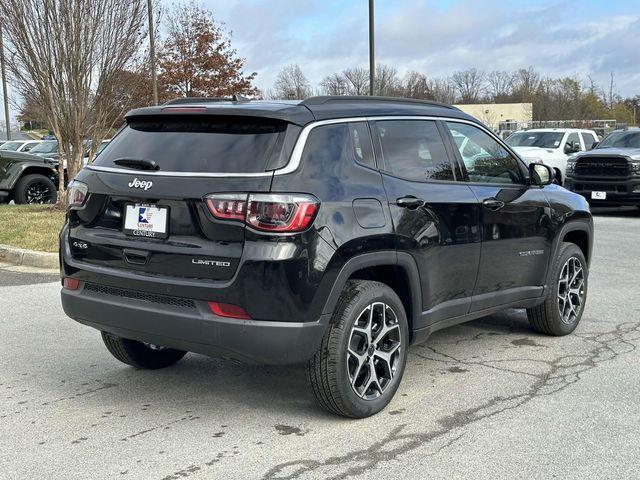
[541, 174]
[571, 147]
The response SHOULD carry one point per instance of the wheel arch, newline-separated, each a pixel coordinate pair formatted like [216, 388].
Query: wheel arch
[578, 232]
[397, 270]
[30, 169]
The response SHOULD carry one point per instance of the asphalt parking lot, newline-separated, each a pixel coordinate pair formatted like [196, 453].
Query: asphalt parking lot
[489, 399]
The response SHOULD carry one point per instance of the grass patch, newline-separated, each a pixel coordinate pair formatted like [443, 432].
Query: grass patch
[35, 227]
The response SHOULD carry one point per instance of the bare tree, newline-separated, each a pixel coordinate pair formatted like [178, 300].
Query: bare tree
[470, 84]
[443, 90]
[65, 55]
[291, 83]
[416, 85]
[526, 83]
[357, 81]
[387, 82]
[499, 85]
[334, 84]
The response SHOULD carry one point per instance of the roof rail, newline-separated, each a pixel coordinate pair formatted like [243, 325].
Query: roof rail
[323, 100]
[189, 100]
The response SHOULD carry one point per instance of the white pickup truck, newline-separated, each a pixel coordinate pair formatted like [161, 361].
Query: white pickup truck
[552, 146]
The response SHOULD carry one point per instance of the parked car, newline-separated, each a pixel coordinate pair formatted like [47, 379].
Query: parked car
[47, 149]
[608, 175]
[19, 145]
[26, 178]
[333, 232]
[552, 146]
[99, 148]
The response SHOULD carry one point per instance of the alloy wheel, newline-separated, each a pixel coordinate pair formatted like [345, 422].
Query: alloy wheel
[571, 290]
[38, 193]
[374, 348]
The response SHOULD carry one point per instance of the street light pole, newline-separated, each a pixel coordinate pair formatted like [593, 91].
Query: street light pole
[4, 87]
[152, 53]
[372, 57]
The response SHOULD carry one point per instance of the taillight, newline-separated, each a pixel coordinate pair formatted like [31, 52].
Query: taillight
[228, 310]
[227, 206]
[76, 194]
[70, 283]
[283, 213]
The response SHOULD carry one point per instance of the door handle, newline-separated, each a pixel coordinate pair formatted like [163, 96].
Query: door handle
[409, 202]
[493, 204]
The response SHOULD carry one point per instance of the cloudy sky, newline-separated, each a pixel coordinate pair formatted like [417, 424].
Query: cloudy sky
[437, 37]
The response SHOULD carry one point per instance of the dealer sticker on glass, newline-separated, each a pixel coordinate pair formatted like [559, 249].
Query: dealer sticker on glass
[143, 220]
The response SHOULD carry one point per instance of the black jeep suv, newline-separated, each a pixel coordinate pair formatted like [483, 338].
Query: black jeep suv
[608, 175]
[332, 231]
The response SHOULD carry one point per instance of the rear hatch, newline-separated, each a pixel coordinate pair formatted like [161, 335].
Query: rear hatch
[146, 208]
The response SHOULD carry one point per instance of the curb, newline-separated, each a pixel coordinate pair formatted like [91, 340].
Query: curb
[28, 258]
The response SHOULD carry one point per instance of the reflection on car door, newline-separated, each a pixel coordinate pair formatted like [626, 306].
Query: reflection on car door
[435, 218]
[516, 236]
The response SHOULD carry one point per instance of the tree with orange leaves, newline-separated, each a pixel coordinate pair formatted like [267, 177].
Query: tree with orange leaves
[197, 60]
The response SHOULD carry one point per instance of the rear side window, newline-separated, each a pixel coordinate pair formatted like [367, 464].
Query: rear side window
[198, 143]
[361, 144]
[414, 150]
[330, 145]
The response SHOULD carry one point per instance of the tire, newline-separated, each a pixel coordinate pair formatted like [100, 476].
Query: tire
[334, 366]
[139, 355]
[562, 310]
[23, 191]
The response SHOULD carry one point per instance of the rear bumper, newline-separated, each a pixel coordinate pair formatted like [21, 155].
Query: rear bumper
[189, 325]
[619, 192]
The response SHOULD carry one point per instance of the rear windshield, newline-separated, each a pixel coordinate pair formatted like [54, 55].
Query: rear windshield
[198, 143]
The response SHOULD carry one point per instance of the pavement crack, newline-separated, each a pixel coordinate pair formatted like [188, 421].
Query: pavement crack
[561, 372]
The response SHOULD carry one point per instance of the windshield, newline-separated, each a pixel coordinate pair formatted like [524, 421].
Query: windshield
[11, 146]
[45, 147]
[197, 143]
[619, 140]
[535, 139]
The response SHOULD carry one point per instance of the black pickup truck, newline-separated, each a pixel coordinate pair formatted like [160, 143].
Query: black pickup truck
[27, 178]
[608, 175]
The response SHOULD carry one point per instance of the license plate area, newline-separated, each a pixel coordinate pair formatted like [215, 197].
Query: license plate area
[146, 220]
[598, 195]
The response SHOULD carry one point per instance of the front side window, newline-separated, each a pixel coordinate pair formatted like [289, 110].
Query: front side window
[414, 150]
[573, 141]
[486, 161]
[589, 140]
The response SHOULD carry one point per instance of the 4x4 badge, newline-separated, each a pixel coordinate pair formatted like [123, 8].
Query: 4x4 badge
[144, 184]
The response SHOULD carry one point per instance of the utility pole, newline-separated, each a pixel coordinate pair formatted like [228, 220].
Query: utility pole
[152, 53]
[372, 57]
[4, 87]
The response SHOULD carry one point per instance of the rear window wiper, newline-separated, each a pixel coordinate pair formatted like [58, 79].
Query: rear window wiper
[137, 163]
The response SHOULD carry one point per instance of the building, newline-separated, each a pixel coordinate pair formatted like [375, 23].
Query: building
[495, 114]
